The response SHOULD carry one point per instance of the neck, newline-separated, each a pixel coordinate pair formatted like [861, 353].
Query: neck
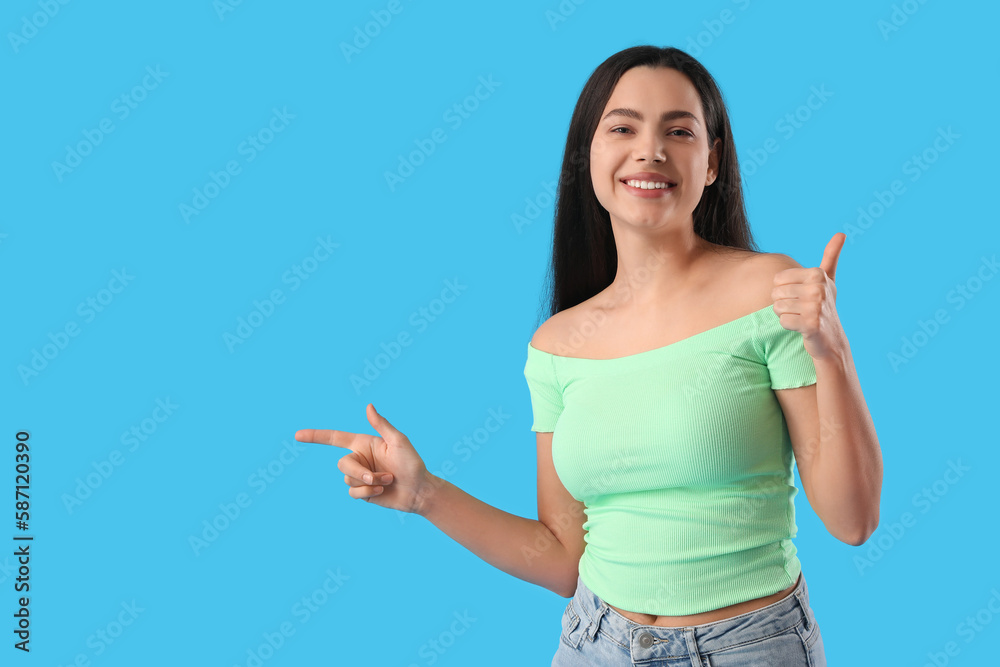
[654, 270]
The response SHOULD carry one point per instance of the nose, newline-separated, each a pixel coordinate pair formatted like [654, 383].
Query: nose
[650, 149]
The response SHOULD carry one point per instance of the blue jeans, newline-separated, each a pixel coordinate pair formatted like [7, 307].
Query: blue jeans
[782, 634]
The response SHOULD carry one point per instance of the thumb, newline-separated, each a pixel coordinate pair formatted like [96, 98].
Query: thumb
[382, 425]
[832, 253]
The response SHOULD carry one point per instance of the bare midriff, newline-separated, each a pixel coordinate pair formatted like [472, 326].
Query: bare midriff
[719, 614]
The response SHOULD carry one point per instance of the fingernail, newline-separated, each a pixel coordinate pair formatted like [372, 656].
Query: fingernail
[368, 478]
[385, 479]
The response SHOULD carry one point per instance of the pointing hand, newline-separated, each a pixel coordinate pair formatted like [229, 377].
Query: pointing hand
[383, 469]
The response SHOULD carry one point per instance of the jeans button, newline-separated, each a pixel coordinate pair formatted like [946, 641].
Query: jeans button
[645, 640]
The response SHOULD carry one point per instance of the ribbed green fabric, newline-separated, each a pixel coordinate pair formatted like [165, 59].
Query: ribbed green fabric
[682, 457]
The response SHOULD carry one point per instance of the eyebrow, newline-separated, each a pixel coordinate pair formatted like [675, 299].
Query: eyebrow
[666, 116]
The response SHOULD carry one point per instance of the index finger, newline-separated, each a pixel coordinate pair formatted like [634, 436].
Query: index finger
[795, 276]
[328, 437]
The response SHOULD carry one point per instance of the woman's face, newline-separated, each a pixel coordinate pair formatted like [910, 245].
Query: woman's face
[674, 148]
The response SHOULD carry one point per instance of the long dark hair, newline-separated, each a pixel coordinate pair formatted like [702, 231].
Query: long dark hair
[584, 256]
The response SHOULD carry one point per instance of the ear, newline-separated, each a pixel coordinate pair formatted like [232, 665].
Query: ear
[713, 161]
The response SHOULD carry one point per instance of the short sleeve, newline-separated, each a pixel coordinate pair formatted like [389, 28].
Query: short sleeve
[784, 352]
[546, 396]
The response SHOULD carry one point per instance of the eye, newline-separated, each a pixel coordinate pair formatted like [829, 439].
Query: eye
[614, 131]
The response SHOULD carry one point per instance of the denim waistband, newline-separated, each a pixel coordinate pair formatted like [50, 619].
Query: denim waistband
[652, 641]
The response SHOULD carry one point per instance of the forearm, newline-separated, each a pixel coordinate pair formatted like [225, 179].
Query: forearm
[848, 463]
[524, 548]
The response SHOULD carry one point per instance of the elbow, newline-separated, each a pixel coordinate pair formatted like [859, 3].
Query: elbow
[860, 535]
[569, 586]
[855, 540]
[570, 580]
[564, 589]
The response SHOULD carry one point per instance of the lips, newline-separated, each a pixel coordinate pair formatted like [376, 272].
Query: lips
[668, 186]
[648, 176]
[652, 192]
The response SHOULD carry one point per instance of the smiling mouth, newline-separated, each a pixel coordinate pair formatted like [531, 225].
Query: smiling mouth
[649, 185]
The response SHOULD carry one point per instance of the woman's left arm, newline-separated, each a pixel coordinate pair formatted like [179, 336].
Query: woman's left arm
[833, 437]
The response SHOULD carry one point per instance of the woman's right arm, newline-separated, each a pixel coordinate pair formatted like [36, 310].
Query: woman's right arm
[545, 552]
[386, 470]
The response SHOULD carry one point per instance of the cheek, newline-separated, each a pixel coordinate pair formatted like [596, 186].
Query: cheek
[600, 181]
[699, 163]
[598, 146]
[599, 169]
[601, 176]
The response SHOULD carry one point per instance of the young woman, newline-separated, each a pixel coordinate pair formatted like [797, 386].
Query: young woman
[680, 374]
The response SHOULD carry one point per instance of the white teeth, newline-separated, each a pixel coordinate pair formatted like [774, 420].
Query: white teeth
[647, 185]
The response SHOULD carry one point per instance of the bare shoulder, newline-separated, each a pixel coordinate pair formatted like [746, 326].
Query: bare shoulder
[763, 267]
[549, 335]
[573, 331]
[737, 281]
[775, 260]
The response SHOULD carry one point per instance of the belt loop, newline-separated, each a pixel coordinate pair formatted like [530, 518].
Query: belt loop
[596, 622]
[807, 622]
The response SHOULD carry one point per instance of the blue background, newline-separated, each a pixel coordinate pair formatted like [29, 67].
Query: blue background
[348, 118]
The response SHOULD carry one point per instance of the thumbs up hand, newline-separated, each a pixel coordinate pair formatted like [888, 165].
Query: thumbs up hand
[805, 301]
